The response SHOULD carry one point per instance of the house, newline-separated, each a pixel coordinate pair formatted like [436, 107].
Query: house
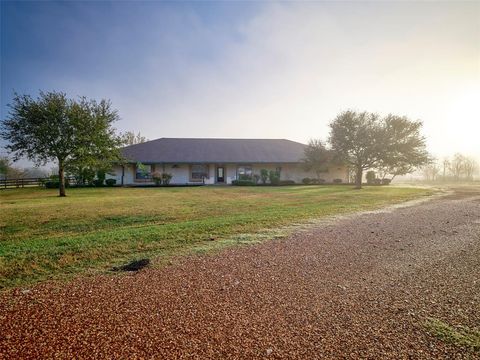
[215, 161]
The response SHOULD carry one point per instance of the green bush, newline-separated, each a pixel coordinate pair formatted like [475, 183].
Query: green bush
[256, 178]
[166, 178]
[274, 177]
[110, 182]
[377, 181]
[264, 175]
[53, 182]
[386, 181]
[49, 184]
[243, 183]
[157, 178]
[98, 182]
[101, 175]
[337, 181]
[306, 180]
[245, 177]
[161, 178]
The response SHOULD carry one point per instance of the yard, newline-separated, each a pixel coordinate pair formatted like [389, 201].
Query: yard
[93, 229]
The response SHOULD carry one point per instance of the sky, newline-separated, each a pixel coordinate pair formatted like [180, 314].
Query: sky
[253, 69]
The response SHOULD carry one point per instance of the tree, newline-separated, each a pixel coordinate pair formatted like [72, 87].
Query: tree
[55, 128]
[83, 174]
[129, 138]
[403, 147]
[456, 165]
[392, 144]
[470, 166]
[8, 171]
[317, 157]
[446, 165]
[371, 176]
[430, 171]
[354, 137]
[4, 166]
[264, 175]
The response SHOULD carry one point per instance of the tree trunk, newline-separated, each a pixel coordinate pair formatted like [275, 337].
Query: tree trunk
[358, 179]
[61, 177]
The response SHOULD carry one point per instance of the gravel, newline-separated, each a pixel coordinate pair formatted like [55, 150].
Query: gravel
[360, 287]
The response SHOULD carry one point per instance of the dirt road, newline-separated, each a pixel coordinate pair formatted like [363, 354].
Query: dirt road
[361, 287]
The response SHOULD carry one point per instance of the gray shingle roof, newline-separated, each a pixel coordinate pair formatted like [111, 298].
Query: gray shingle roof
[182, 150]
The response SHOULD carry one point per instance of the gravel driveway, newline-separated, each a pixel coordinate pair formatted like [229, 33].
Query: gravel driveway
[360, 287]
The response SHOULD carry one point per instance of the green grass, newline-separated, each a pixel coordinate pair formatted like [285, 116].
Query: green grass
[43, 236]
[458, 335]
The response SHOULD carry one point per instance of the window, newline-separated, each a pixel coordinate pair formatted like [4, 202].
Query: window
[199, 172]
[143, 172]
[244, 172]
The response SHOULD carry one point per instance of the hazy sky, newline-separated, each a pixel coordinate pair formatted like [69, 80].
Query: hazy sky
[253, 70]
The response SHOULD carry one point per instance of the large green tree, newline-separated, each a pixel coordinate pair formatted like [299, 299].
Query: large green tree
[56, 128]
[355, 139]
[317, 157]
[366, 141]
[403, 147]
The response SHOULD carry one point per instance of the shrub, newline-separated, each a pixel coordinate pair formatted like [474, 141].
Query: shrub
[306, 180]
[243, 183]
[287, 182]
[337, 181]
[166, 178]
[110, 182]
[377, 181]
[53, 182]
[274, 177]
[49, 184]
[161, 178]
[386, 181]
[101, 176]
[321, 181]
[98, 182]
[371, 177]
[83, 175]
[256, 178]
[264, 175]
[245, 177]
[157, 177]
[314, 181]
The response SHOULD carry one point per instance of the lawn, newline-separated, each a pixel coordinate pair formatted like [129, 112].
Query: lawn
[43, 236]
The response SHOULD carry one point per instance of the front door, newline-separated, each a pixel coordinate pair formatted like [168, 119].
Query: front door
[220, 174]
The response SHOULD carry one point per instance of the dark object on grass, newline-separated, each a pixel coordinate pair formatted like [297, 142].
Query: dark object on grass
[133, 266]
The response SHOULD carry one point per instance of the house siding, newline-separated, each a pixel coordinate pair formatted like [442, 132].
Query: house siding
[181, 173]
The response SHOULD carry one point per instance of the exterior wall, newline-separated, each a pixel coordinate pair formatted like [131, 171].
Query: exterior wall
[115, 174]
[181, 173]
[296, 173]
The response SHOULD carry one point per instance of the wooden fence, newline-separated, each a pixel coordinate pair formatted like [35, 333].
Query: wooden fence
[17, 183]
[28, 182]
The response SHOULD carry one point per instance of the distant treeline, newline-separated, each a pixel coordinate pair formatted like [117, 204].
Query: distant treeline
[456, 168]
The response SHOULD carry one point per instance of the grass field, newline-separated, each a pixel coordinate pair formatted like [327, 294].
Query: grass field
[43, 236]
